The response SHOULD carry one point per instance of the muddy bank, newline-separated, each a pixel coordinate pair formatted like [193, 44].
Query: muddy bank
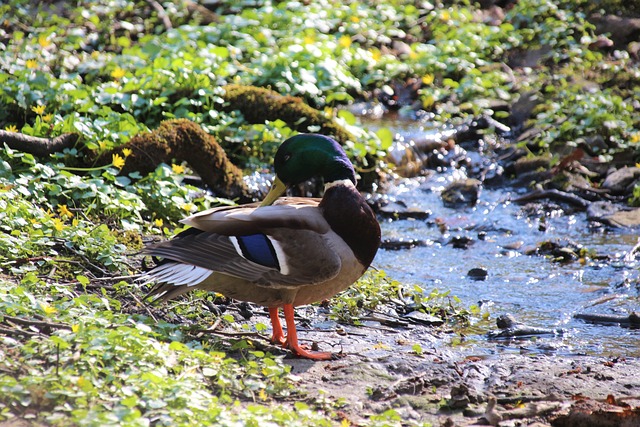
[448, 386]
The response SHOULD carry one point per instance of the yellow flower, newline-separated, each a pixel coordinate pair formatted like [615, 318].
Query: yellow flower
[345, 423]
[47, 308]
[31, 63]
[355, 19]
[75, 328]
[118, 73]
[188, 207]
[158, 222]
[635, 138]
[102, 144]
[47, 118]
[44, 41]
[11, 128]
[262, 395]
[376, 55]
[427, 79]
[413, 55]
[58, 224]
[117, 161]
[445, 15]
[309, 39]
[126, 152]
[177, 168]
[64, 211]
[345, 41]
[39, 109]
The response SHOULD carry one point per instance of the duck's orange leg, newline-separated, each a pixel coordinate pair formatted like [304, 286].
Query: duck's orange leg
[292, 338]
[278, 336]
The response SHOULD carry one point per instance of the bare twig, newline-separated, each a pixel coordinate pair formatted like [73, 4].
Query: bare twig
[36, 323]
[145, 306]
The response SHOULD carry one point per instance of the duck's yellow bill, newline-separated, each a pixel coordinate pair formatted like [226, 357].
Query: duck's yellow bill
[277, 189]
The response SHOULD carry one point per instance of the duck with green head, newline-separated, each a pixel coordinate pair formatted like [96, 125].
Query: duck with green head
[284, 252]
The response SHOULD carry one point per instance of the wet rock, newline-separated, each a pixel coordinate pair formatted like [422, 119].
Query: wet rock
[423, 318]
[513, 246]
[612, 215]
[478, 274]
[398, 210]
[558, 249]
[509, 327]
[553, 194]
[529, 164]
[461, 242]
[400, 244]
[461, 396]
[622, 181]
[462, 193]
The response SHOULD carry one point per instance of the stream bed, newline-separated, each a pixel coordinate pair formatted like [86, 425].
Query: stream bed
[537, 290]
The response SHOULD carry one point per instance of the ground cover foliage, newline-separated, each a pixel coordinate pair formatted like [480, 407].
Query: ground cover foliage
[77, 347]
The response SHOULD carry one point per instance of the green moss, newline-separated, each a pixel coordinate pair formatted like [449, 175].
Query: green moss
[259, 104]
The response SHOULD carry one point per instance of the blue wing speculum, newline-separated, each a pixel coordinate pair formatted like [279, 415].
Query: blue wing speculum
[257, 248]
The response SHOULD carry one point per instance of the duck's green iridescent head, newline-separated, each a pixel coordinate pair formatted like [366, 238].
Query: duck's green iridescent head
[304, 156]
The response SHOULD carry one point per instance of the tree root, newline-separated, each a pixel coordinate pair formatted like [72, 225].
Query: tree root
[37, 146]
[183, 140]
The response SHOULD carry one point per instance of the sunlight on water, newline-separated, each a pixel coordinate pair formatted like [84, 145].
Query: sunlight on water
[534, 289]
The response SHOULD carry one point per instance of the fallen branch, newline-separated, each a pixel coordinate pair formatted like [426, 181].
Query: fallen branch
[557, 195]
[40, 147]
[632, 319]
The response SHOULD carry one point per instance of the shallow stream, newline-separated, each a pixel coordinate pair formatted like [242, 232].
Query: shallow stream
[536, 290]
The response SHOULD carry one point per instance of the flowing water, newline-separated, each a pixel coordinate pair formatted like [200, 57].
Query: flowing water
[536, 290]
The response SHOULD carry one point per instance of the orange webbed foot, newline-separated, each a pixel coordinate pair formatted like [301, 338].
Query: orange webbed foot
[292, 339]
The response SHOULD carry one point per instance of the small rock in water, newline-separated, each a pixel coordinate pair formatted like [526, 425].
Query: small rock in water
[462, 193]
[609, 214]
[398, 244]
[461, 242]
[478, 273]
[395, 212]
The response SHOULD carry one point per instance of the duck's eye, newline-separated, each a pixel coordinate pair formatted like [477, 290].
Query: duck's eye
[287, 157]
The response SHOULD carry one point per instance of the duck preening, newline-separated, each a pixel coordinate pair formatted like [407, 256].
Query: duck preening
[284, 252]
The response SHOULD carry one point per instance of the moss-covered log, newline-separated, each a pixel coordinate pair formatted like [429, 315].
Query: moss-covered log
[183, 140]
[259, 104]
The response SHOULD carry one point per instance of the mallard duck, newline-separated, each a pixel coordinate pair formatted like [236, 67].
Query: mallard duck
[284, 252]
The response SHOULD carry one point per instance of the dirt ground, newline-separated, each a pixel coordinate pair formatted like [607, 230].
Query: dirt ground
[379, 370]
